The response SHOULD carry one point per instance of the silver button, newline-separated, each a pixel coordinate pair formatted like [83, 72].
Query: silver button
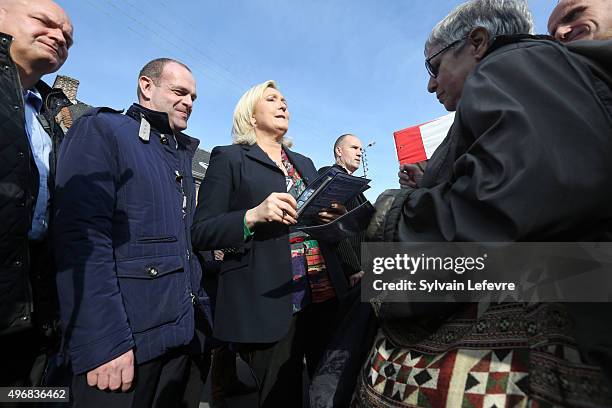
[152, 271]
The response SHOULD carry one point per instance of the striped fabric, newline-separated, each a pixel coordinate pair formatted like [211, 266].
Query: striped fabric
[310, 277]
[349, 249]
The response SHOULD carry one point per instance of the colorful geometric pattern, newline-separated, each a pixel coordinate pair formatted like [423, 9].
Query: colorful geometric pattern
[499, 379]
[461, 378]
[409, 377]
[529, 362]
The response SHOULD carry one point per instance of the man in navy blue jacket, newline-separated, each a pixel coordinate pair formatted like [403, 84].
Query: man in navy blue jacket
[128, 282]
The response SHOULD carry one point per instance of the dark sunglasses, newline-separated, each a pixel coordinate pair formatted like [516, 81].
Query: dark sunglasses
[432, 69]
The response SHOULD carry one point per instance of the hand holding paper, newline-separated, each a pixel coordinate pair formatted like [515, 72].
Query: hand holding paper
[277, 207]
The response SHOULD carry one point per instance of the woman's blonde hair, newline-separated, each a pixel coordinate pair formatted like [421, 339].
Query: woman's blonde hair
[243, 131]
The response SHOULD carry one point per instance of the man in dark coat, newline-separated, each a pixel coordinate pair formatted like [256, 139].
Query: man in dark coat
[348, 152]
[34, 41]
[129, 283]
[527, 159]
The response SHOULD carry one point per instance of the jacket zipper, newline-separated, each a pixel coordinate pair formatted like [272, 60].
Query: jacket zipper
[184, 207]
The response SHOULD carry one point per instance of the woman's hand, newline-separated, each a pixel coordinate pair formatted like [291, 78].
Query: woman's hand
[330, 214]
[277, 207]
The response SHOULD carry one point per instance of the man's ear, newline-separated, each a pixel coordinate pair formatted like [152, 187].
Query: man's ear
[146, 84]
[478, 40]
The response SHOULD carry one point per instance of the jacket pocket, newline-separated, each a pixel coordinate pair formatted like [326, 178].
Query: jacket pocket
[154, 291]
[155, 240]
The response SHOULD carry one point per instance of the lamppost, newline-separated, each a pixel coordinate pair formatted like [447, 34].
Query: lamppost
[364, 157]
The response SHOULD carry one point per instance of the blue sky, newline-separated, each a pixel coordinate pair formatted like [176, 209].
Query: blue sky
[344, 65]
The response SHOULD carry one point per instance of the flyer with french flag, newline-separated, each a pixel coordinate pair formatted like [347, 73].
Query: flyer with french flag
[418, 143]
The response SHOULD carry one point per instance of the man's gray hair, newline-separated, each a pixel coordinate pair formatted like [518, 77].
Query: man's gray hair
[498, 17]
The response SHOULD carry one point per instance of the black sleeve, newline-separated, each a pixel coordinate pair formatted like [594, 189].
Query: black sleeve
[348, 258]
[536, 163]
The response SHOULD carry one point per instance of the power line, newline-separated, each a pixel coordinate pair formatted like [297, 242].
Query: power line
[219, 75]
[237, 86]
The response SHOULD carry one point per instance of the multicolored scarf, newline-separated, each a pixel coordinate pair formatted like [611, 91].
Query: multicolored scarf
[311, 283]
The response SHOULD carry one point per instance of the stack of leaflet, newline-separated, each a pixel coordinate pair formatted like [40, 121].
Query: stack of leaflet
[334, 186]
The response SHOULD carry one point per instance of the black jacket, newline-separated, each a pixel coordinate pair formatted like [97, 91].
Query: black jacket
[18, 192]
[254, 293]
[526, 159]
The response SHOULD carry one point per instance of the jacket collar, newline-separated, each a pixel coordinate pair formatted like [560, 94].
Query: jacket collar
[299, 162]
[190, 143]
[159, 121]
[336, 165]
[501, 40]
[256, 153]
[54, 99]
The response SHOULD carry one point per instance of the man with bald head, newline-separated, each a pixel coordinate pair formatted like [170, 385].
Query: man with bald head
[348, 153]
[573, 20]
[348, 150]
[34, 40]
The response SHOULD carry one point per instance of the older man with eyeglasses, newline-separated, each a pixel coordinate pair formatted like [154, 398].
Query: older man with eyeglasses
[527, 159]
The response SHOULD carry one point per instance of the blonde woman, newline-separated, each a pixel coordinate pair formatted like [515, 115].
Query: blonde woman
[278, 288]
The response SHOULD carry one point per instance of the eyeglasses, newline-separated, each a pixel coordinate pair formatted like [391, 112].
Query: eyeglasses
[432, 69]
